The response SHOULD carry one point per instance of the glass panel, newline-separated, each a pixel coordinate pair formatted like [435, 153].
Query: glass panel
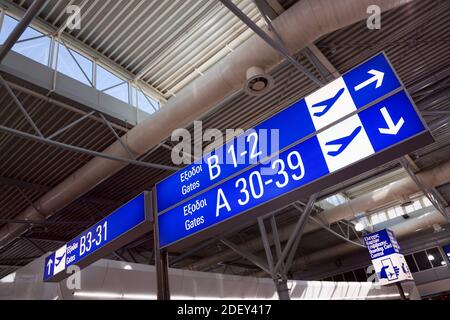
[374, 219]
[119, 92]
[349, 276]
[417, 205]
[399, 211]
[68, 66]
[30, 33]
[411, 264]
[36, 49]
[422, 261]
[391, 213]
[435, 257]
[382, 216]
[8, 26]
[410, 208]
[145, 105]
[360, 275]
[106, 79]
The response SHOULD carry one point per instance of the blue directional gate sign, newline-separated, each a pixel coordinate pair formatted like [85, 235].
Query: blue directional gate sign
[121, 227]
[355, 123]
[389, 263]
[447, 251]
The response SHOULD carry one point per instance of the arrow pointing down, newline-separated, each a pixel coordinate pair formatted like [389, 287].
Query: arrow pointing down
[378, 77]
[392, 128]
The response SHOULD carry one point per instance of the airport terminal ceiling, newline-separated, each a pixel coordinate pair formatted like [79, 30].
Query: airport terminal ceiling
[162, 47]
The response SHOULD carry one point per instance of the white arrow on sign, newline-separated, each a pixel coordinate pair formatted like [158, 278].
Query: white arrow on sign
[378, 77]
[392, 128]
[49, 265]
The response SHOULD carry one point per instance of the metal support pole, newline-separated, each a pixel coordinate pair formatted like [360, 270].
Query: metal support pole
[266, 243]
[282, 289]
[297, 233]
[33, 11]
[165, 274]
[161, 258]
[401, 291]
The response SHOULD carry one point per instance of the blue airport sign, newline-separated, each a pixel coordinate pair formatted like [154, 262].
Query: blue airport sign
[357, 122]
[124, 225]
[388, 261]
[447, 251]
[355, 90]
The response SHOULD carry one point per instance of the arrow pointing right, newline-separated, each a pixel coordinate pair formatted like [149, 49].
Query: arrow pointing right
[392, 128]
[378, 77]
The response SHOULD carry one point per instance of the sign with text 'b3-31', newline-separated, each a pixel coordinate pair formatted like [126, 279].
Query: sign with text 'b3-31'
[389, 263]
[123, 226]
[353, 124]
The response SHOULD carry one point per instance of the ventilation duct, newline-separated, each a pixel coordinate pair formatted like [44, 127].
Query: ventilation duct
[299, 26]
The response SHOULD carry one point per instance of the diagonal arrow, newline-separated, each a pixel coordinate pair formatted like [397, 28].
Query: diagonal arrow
[392, 128]
[377, 76]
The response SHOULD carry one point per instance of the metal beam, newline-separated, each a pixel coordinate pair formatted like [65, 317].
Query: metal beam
[123, 144]
[321, 62]
[247, 255]
[190, 253]
[43, 222]
[20, 106]
[296, 233]
[271, 42]
[347, 239]
[44, 189]
[276, 6]
[84, 151]
[32, 12]
[71, 125]
[430, 193]
[266, 9]
[265, 240]
[59, 103]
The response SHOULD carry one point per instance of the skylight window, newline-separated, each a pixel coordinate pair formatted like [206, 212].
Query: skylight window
[75, 65]
[144, 102]
[111, 84]
[32, 44]
[70, 62]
